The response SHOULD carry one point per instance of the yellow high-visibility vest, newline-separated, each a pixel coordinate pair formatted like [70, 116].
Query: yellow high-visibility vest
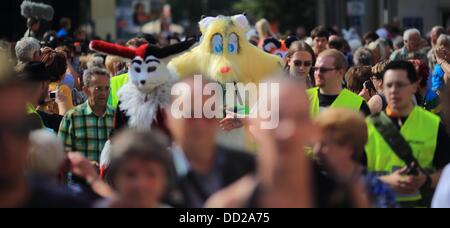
[421, 132]
[346, 99]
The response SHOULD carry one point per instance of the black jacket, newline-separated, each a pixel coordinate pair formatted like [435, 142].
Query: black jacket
[234, 165]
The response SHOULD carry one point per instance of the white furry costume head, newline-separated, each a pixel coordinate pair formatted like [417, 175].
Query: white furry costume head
[150, 82]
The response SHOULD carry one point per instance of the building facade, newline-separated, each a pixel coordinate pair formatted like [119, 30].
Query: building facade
[371, 14]
[102, 14]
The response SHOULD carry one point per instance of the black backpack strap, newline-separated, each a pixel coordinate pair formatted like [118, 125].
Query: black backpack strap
[396, 141]
[383, 100]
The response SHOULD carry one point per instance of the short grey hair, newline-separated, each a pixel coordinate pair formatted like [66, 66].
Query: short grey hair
[363, 57]
[26, 48]
[96, 61]
[408, 33]
[46, 153]
[91, 72]
[443, 40]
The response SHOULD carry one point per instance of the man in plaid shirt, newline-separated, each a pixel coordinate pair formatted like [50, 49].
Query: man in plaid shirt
[87, 127]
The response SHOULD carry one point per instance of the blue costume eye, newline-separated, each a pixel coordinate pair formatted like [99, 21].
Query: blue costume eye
[217, 44]
[233, 45]
[232, 48]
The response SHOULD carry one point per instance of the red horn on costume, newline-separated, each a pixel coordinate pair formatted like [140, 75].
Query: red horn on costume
[118, 50]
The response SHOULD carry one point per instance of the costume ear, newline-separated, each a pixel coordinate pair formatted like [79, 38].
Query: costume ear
[112, 49]
[241, 21]
[167, 53]
[290, 40]
[271, 44]
[205, 22]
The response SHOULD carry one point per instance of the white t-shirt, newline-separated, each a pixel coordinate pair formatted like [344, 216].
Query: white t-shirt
[442, 195]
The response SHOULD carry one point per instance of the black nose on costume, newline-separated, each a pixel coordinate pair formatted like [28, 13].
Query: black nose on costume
[143, 82]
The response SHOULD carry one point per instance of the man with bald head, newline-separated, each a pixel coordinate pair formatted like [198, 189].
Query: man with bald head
[413, 48]
[329, 74]
[285, 178]
[202, 166]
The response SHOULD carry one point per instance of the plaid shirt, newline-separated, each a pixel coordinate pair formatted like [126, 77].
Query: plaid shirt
[82, 131]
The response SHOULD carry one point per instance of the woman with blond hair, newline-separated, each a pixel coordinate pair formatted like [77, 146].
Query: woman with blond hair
[264, 31]
[339, 151]
[115, 65]
[380, 49]
[300, 60]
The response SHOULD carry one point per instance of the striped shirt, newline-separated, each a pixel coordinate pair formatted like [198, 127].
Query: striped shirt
[83, 131]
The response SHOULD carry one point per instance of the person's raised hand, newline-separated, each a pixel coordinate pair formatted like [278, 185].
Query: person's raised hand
[60, 97]
[232, 121]
[82, 167]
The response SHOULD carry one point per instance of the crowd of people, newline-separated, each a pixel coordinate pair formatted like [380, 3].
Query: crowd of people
[360, 126]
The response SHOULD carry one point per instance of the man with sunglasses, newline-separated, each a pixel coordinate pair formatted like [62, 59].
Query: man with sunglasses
[330, 93]
[421, 130]
[87, 127]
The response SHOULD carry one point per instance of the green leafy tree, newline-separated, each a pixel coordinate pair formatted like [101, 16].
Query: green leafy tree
[289, 14]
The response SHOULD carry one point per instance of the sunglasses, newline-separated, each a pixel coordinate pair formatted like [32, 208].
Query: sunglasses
[299, 63]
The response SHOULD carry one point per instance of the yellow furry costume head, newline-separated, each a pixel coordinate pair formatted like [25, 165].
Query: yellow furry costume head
[225, 55]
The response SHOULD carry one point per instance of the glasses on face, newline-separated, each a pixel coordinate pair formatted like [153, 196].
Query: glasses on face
[298, 63]
[101, 88]
[397, 85]
[323, 70]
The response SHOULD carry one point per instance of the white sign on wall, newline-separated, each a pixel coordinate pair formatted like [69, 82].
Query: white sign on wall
[356, 8]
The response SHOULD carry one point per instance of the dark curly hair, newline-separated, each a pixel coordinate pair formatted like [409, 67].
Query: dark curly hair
[378, 69]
